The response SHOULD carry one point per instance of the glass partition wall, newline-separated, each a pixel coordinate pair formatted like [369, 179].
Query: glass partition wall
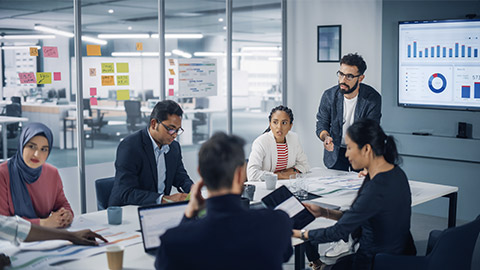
[121, 79]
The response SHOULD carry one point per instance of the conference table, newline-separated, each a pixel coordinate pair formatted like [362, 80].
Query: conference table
[136, 258]
[4, 121]
[345, 186]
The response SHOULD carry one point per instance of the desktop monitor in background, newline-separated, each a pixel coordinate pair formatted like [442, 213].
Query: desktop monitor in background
[51, 94]
[62, 93]
[148, 94]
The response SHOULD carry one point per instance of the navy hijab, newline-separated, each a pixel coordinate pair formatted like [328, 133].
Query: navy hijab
[21, 174]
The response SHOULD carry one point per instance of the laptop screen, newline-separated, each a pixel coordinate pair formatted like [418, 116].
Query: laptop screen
[156, 219]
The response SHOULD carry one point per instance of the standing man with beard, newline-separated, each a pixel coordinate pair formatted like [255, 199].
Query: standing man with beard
[341, 106]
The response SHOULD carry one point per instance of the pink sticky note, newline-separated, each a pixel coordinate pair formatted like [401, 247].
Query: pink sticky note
[170, 92]
[93, 91]
[57, 76]
[27, 77]
[50, 52]
[93, 101]
[170, 81]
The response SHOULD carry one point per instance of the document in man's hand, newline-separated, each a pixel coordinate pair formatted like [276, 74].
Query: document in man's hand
[283, 199]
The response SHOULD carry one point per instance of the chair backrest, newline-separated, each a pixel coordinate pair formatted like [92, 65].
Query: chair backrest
[86, 106]
[132, 108]
[16, 99]
[454, 247]
[103, 188]
[14, 109]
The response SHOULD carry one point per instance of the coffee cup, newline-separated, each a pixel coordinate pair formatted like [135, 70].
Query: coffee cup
[270, 181]
[114, 215]
[115, 257]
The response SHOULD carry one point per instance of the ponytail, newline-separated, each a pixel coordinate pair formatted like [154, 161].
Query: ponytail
[390, 152]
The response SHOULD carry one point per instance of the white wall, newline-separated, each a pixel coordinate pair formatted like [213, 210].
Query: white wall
[361, 22]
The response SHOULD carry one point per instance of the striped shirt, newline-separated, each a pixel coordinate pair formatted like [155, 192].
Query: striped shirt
[14, 229]
[282, 157]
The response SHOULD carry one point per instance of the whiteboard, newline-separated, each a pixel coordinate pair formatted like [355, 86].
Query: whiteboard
[197, 77]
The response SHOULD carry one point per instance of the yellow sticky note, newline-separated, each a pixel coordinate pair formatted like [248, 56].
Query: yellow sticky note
[123, 94]
[139, 46]
[33, 51]
[108, 68]
[172, 72]
[94, 50]
[122, 67]
[108, 80]
[123, 80]
[44, 77]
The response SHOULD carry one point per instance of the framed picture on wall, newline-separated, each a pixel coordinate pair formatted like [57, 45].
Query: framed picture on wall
[329, 43]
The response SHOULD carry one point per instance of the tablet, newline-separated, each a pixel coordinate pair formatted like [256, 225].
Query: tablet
[283, 199]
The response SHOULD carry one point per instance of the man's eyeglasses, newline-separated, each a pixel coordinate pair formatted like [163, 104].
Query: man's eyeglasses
[172, 131]
[348, 77]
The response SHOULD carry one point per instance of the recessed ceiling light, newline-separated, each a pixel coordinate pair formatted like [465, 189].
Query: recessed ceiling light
[129, 28]
[220, 19]
[110, 11]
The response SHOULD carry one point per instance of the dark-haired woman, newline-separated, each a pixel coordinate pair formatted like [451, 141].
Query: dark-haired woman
[31, 188]
[382, 208]
[278, 149]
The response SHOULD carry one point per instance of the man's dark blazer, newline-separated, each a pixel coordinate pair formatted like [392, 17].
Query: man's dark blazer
[228, 237]
[136, 179]
[330, 116]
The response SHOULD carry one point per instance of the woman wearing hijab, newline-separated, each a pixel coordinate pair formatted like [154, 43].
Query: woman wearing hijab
[31, 188]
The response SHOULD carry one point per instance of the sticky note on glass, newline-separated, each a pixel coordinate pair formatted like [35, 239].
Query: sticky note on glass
[33, 51]
[108, 68]
[93, 101]
[172, 62]
[170, 92]
[170, 81]
[122, 67]
[108, 80]
[50, 52]
[94, 50]
[139, 46]
[93, 72]
[172, 72]
[44, 77]
[27, 77]
[93, 91]
[57, 76]
[123, 94]
[123, 80]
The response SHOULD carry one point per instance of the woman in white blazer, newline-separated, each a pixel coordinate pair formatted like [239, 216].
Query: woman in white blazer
[278, 149]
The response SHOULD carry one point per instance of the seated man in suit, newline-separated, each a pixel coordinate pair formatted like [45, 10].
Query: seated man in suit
[229, 236]
[149, 161]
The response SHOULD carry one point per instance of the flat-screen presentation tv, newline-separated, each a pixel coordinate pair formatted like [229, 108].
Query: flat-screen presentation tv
[439, 64]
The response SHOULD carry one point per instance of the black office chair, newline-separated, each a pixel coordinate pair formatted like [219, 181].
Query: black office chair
[14, 109]
[448, 249]
[16, 99]
[135, 119]
[103, 189]
[95, 124]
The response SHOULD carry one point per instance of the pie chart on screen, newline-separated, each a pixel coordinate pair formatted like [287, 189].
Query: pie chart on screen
[437, 83]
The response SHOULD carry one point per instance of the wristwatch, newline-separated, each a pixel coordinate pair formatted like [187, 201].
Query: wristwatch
[302, 235]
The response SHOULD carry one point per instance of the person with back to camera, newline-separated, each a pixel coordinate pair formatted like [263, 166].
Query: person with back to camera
[341, 106]
[382, 208]
[30, 187]
[228, 236]
[278, 149]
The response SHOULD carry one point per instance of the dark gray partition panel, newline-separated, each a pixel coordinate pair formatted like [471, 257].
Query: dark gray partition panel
[441, 158]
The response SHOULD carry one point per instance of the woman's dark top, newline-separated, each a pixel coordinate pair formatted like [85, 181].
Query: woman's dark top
[382, 211]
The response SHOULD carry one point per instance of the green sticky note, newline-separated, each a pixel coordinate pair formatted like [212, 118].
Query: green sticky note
[108, 68]
[44, 77]
[123, 94]
[123, 80]
[122, 67]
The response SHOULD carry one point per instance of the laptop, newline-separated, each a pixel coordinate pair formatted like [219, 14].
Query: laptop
[156, 219]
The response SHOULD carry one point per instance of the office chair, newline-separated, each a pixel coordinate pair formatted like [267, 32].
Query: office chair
[16, 99]
[134, 115]
[103, 189]
[14, 109]
[95, 124]
[448, 249]
[199, 119]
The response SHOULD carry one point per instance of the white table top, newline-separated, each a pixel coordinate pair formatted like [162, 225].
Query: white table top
[12, 119]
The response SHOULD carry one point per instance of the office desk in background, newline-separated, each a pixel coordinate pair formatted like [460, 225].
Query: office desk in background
[4, 121]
